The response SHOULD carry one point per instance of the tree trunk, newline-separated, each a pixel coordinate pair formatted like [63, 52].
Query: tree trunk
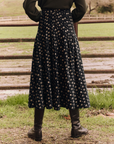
[91, 9]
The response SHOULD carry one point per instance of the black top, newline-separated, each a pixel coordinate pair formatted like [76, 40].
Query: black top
[34, 14]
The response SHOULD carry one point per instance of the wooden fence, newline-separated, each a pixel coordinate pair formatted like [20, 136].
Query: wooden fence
[30, 56]
[86, 17]
[98, 17]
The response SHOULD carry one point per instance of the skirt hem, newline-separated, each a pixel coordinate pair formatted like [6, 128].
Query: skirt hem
[60, 107]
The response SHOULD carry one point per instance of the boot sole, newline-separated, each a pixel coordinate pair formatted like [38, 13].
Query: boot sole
[79, 135]
[32, 137]
[36, 139]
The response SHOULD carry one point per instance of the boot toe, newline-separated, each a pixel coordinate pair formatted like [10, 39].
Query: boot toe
[83, 130]
[35, 135]
[75, 133]
[31, 133]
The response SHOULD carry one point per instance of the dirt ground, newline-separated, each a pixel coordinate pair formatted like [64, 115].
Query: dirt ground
[54, 136]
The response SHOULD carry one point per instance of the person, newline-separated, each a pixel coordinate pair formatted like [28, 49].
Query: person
[57, 74]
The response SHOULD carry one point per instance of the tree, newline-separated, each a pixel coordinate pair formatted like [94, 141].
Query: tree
[90, 9]
[94, 4]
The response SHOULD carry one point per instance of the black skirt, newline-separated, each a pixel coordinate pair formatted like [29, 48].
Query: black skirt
[57, 75]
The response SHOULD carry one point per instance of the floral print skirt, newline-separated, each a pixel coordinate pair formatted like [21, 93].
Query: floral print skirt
[57, 74]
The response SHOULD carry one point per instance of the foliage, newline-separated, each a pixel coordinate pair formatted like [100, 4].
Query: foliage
[101, 6]
[104, 99]
[105, 9]
[21, 100]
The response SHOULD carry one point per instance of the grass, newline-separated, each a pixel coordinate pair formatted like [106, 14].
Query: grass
[18, 32]
[103, 29]
[15, 114]
[104, 99]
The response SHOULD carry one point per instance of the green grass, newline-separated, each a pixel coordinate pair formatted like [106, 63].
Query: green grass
[8, 108]
[104, 99]
[18, 32]
[16, 107]
[15, 100]
[103, 29]
[15, 114]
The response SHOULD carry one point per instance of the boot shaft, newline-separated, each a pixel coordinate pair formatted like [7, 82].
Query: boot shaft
[77, 130]
[38, 118]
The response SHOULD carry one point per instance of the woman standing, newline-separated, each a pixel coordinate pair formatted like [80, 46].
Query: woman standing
[57, 75]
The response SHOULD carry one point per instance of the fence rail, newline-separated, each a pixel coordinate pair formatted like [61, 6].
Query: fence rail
[86, 17]
[79, 38]
[12, 87]
[14, 18]
[28, 72]
[30, 56]
[96, 17]
[36, 24]
[83, 56]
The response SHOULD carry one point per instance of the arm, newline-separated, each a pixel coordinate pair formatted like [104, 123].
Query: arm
[31, 10]
[79, 11]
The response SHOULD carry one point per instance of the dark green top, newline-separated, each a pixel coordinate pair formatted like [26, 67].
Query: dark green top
[34, 14]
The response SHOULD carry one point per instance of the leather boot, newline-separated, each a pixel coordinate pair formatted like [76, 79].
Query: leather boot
[36, 132]
[77, 130]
